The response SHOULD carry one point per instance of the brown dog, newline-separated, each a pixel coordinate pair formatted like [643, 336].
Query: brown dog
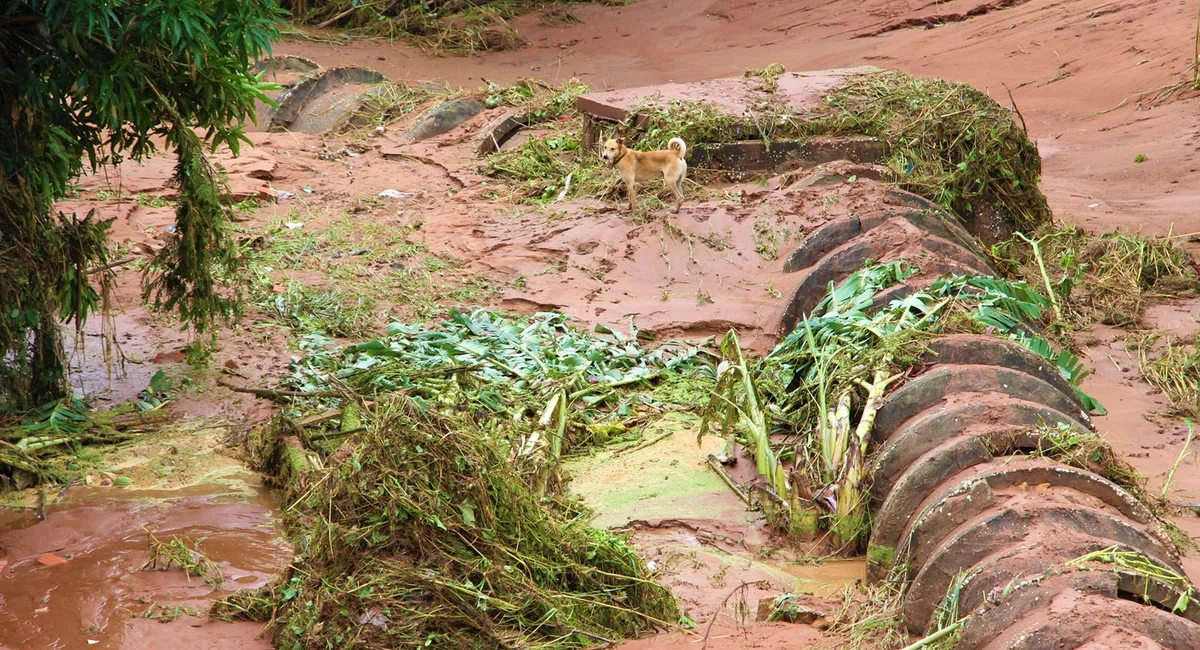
[644, 165]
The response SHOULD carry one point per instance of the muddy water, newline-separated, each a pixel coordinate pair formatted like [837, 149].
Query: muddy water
[96, 597]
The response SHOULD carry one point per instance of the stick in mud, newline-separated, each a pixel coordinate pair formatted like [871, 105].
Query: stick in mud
[715, 463]
[270, 393]
[739, 589]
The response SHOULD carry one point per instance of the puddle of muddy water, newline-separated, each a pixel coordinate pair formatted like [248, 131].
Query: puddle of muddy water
[100, 595]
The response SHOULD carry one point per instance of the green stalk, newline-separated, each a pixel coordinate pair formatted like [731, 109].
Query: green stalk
[1182, 454]
[936, 636]
[1037, 254]
[851, 506]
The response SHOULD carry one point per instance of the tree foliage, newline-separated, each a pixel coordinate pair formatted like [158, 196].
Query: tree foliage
[87, 83]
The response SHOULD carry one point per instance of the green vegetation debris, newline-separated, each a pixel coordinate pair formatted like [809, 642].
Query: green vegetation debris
[1110, 277]
[438, 26]
[1175, 370]
[47, 444]
[558, 388]
[949, 143]
[177, 552]
[424, 534]
[1137, 563]
[834, 368]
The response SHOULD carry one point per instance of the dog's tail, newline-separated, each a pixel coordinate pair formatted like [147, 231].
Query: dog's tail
[677, 144]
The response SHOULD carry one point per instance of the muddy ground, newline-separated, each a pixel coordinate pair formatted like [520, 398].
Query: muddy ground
[1078, 70]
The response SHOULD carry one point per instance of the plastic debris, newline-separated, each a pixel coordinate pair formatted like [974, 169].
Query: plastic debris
[396, 194]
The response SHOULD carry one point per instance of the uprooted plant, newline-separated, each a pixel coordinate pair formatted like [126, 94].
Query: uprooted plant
[823, 383]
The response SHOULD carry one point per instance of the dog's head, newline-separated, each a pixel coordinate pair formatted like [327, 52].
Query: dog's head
[613, 147]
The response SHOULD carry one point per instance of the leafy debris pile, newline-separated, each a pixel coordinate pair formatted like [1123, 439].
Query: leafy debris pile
[549, 386]
[1110, 277]
[423, 534]
[46, 444]
[428, 511]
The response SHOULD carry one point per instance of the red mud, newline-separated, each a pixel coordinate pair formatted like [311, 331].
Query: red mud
[95, 598]
[1067, 63]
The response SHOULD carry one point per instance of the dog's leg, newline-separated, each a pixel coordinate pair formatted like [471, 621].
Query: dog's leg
[632, 185]
[676, 187]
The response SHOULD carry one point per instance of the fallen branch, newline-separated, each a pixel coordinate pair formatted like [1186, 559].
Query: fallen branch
[643, 445]
[728, 478]
[113, 265]
[271, 393]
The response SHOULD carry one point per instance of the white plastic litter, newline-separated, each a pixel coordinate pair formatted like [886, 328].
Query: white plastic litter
[396, 194]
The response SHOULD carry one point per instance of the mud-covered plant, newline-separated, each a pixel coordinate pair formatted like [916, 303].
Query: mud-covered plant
[1175, 370]
[949, 143]
[177, 552]
[770, 76]
[425, 535]
[1110, 277]
[1137, 563]
[90, 83]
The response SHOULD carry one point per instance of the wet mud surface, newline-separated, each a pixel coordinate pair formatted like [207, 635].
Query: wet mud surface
[694, 274]
[100, 596]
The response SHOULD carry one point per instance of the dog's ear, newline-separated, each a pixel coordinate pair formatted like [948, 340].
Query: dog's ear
[621, 140]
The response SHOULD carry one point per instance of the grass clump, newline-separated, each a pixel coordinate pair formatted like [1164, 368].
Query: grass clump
[391, 101]
[424, 535]
[1175, 370]
[1110, 277]
[770, 76]
[328, 310]
[1134, 562]
[460, 27]
[1091, 452]
[428, 511]
[949, 143]
[542, 102]
[164, 555]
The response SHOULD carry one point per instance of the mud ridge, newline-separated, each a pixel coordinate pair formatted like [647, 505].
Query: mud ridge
[938, 20]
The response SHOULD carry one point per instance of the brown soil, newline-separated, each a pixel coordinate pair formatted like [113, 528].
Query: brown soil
[1075, 68]
[88, 601]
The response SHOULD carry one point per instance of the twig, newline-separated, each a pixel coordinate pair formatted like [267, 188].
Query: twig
[269, 393]
[338, 17]
[113, 265]
[643, 445]
[1016, 110]
[708, 630]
